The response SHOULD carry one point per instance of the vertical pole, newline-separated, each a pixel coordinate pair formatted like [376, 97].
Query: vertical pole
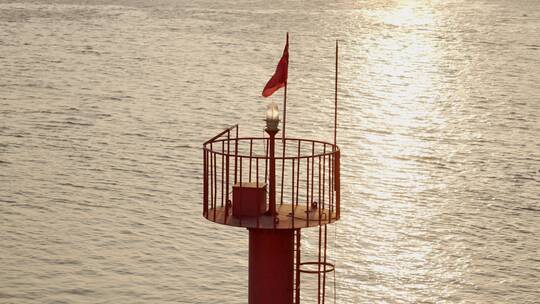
[338, 184]
[250, 157]
[307, 192]
[293, 192]
[335, 97]
[322, 201]
[205, 182]
[282, 170]
[284, 109]
[215, 184]
[320, 238]
[227, 182]
[293, 188]
[298, 174]
[284, 123]
[297, 270]
[241, 185]
[257, 183]
[222, 172]
[319, 266]
[236, 156]
[272, 173]
[285, 91]
[324, 266]
[331, 163]
[266, 160]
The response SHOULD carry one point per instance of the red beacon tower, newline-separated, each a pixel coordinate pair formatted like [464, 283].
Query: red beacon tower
[274, 187]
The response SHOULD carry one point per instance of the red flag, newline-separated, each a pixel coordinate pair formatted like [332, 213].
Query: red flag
[279, 79]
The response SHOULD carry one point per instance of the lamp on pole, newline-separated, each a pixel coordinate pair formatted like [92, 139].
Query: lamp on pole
[272, 122]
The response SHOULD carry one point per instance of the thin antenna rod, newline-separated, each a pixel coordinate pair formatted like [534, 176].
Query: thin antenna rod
[335, 96]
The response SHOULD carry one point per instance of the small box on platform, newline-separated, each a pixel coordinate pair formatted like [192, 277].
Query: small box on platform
[249, 199]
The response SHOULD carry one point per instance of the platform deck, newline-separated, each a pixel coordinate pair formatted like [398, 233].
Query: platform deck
[302, 219]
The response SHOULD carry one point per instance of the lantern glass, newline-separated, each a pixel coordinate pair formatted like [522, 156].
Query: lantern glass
[272, 116]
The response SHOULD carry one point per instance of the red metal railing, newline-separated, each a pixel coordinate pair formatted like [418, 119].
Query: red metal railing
[307, 176]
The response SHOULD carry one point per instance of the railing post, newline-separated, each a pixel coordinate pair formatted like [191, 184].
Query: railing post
[337, 179]
[205, 182]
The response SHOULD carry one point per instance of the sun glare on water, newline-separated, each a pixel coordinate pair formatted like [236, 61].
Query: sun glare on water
[402, 110]
[408, 13]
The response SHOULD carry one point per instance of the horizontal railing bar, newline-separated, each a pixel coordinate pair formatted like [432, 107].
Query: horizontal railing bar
[295, 139]
[213, 139]
[334, 150]
[278, 157]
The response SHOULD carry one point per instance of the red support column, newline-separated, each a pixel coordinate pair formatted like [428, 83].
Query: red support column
[272, 172]
[271, 266]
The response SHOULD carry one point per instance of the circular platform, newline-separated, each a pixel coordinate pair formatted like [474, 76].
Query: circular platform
[285, 220]
[243, 175]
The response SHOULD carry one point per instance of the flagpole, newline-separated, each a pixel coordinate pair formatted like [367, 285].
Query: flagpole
[335, 96]
[284, 122]
[284, 108]
[285, 95]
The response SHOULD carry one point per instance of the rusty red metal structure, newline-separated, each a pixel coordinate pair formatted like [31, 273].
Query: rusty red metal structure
[245, 184]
